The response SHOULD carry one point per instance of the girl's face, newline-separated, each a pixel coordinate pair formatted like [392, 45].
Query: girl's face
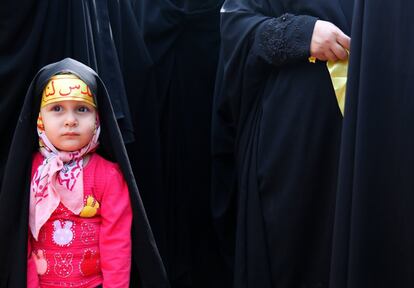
[69, 125]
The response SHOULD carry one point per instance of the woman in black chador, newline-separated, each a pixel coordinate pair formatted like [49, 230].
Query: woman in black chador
[276, 137]
[373, 234]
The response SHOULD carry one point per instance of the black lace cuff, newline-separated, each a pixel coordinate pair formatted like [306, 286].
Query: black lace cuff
[285, 39]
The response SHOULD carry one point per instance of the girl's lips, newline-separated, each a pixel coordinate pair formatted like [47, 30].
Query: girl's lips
[70, 134]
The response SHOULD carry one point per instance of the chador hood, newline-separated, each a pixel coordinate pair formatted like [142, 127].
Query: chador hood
[147, 268]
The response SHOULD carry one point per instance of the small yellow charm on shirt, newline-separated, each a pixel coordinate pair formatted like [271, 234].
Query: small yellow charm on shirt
[90, 208]
[312, 59]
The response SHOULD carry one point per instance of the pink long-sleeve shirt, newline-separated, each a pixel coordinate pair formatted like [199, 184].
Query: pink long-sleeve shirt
[91, 248]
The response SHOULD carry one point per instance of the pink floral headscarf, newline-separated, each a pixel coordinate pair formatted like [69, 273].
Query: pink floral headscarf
[58, 179]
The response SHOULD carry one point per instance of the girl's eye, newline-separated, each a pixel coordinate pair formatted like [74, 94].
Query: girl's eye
[57, 108]
[83, 109]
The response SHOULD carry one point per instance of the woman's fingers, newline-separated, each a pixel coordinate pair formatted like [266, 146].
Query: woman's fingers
[331, 56]
[329, 42]
[344, 40]
[339, 51]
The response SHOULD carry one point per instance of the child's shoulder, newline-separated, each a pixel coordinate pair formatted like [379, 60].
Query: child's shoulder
[104, 173]
[104, 165]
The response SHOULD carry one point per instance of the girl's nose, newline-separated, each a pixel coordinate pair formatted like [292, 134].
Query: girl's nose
[71, 121]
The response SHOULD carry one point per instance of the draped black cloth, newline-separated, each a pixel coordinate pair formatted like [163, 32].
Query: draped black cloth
[276, 139]
[105, 35]
[147, 267]
[182, 37]
[138, 76]
[373, 239]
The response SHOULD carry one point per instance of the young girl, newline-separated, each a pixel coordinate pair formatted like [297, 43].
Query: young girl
[79, 208]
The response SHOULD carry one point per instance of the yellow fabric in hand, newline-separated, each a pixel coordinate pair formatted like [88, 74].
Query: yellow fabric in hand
[339, 71]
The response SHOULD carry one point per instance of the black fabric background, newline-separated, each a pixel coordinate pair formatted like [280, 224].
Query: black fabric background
[182, 37]
[373, 244]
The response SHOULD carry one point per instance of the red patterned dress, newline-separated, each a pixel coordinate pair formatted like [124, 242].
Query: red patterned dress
[91, 248]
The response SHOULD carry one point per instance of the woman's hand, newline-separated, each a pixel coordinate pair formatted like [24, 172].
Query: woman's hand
[328, 42]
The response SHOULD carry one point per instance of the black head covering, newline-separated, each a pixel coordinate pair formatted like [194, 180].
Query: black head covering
[104, 35]
[147, 267]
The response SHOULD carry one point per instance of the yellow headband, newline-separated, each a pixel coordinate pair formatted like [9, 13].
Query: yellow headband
[66, 87]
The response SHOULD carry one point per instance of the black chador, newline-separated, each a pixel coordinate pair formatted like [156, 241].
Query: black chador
[147, 268]
[276, 140]
[105, 35]
[183, 40]
[374, 235]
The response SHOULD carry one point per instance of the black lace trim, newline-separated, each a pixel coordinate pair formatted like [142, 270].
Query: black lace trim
[281, 40]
